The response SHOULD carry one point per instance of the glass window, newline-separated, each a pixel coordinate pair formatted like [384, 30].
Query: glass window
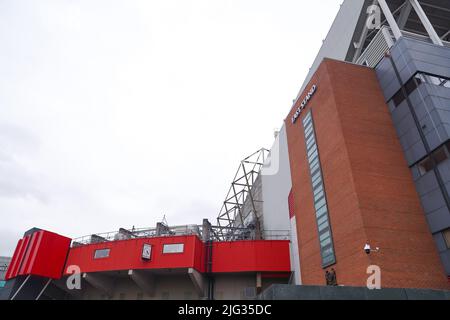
[325, 242]
[324, 236]
[318, 196]
[310, 141]
[307, 120]
[440, 155]
[322, 220]
[101, 253]
[318, 189]
[173, 248]
[320, 203]
[2, 284]
[313, 163]
[312, 150]
[308, 131]
[313, 157]
[316, 182]
[323, 226]
[315, 177]
[321, 211]
[315, 168]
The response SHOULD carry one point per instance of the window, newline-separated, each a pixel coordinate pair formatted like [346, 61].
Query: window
[173, 248]
[102, 253]
[437, 81]
[2, 284]
[410, 86]
[320, 202]
[415, 82]
[446, 235]
[440, 155]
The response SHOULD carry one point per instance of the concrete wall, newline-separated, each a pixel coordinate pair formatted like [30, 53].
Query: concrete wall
[276, 186]
[283, 292]
[179, 287]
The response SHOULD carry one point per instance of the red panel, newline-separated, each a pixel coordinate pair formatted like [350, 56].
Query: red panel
[50, 256]
[41, 254]
[31, 248]
[20, 256]
[244, 256]
[13, 266]
[126, 254]
[251, 256]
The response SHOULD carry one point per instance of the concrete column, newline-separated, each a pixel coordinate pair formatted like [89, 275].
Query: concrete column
[144, 281]
[100, 282]
[198, 280]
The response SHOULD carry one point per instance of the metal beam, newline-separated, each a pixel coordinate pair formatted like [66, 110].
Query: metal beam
[426, 23]
[390, 19]
[404, 14]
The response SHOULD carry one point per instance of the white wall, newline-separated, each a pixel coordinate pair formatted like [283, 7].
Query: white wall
[340, 36]
[276, 185]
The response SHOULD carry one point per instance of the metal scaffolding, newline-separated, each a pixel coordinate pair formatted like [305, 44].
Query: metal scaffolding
[238, 217]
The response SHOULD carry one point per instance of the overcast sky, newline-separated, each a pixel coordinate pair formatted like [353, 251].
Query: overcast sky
[115, 113]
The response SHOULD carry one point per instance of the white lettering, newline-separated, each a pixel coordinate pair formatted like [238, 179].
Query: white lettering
[305, 101]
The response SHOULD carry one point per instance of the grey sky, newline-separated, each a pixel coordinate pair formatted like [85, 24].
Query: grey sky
[114, 113]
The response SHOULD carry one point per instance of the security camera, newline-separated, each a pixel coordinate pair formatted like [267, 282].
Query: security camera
[368, 250]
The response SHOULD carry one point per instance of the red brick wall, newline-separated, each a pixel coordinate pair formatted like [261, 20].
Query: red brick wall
[370, 191]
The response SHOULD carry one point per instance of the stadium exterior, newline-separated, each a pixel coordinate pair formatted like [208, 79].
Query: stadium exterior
[362, 159]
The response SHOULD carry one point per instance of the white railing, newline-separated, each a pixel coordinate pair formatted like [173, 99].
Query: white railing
[382, 42]
[376, 50]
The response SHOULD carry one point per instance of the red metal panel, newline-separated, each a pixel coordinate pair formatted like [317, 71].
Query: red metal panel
[20, 257]
[42, 254]
[126, 254]
[48, 260]
[228, 257]
[34, 252]
[15, 262]
[31, 248]
[251, 256]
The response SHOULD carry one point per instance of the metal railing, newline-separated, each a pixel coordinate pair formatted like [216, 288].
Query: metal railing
[197, 230]
[125, 234]
[382, 42]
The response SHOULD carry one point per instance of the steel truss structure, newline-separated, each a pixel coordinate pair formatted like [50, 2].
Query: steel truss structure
[234, 221]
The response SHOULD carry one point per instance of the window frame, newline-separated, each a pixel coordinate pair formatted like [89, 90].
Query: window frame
[173, 244]
[108, 250]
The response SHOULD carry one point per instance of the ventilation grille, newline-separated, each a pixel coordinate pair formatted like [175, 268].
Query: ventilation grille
[377, 48]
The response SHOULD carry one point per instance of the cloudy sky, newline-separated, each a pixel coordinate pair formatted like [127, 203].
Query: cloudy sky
[116, 113]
